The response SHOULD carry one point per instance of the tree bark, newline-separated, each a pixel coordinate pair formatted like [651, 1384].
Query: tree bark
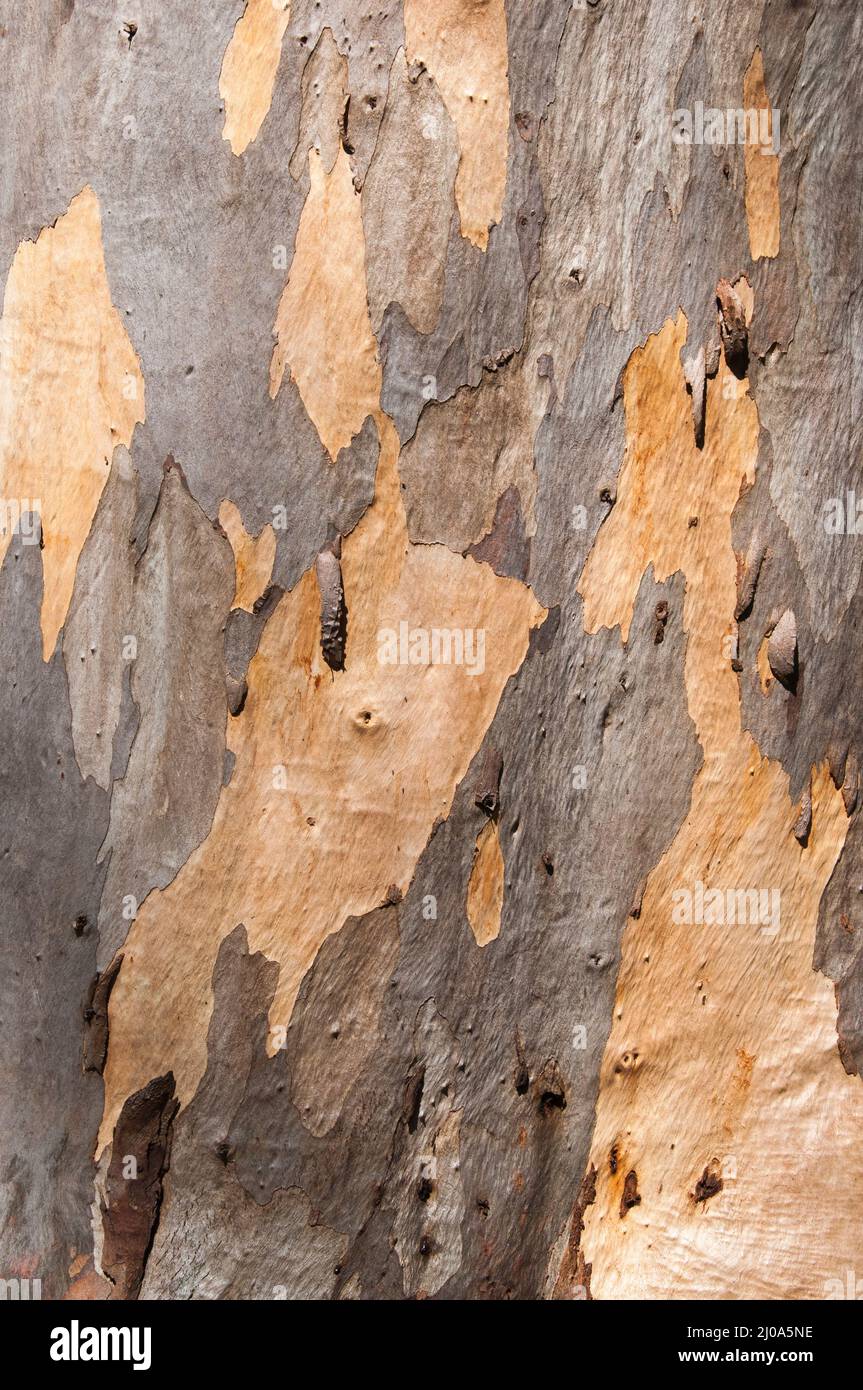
[432, 626]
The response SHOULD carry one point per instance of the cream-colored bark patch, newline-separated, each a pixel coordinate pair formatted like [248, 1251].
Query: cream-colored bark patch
[765, 675]
[71, 390]
[721, 1085]
[337, 784]
[322, 325]
[485, 888]
[249, 69]
[463, 44]
[761, 168]
[253, 556]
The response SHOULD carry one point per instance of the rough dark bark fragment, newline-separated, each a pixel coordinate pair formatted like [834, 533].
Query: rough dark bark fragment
[709, 1183]
[733, 327]
[630, 1196]
[573, 1279]
[487, 794]
[96, 1017]
[140, 1156]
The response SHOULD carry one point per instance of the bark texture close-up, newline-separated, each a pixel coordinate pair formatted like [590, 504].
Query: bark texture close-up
[432, 627]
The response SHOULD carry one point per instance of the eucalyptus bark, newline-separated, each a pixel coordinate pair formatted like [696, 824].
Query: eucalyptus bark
[431, 619]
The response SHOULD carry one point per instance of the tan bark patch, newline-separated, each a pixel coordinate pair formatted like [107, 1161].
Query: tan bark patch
[463, 44]
[71, 390]
[322, 324]
[765, 675]
[253, 556]
[695, 999]
[337, 783]
[761, 169]
[249, 69]
[84, 1283]
[485, 888]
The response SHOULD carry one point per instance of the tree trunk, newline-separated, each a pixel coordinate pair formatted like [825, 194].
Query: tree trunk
[432, 629]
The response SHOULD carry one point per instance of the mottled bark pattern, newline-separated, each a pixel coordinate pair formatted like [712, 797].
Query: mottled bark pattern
[338, 874]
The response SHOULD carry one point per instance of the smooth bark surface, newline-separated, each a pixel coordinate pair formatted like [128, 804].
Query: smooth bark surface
[431, 615]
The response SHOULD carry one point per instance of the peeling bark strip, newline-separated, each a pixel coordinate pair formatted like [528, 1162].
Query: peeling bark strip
[782, 649]
[572, 1278]
[696, 381]
[851, 784]
[487, 793]
[334, 613]
[140, 1155]
[96, 1017]
[733, 327]
[406, 236]
[748, 571]
[803, 824]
